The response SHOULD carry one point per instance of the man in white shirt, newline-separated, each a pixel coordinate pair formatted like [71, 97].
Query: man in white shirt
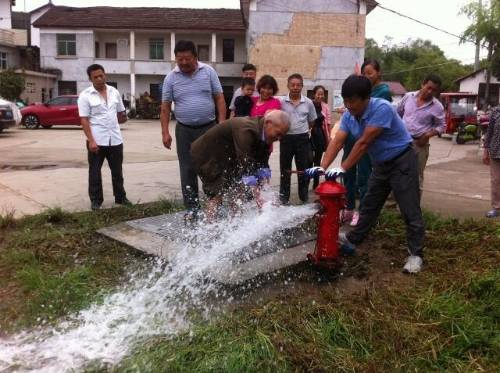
[101, 111]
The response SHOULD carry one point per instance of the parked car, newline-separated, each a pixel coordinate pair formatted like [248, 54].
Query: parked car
[8, 114]
[61, 110]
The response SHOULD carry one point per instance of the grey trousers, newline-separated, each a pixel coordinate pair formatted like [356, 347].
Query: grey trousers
[184, 137]
[401, 176]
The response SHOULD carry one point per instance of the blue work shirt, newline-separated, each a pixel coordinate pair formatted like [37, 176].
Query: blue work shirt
[379, 113]
[193, 94]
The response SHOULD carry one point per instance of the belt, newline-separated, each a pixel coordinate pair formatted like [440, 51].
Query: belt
[198, 125]
[410, 147]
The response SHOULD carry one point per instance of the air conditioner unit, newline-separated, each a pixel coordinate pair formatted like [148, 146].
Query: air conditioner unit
[122, 42]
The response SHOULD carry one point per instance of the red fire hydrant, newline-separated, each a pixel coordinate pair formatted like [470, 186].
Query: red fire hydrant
[332, 200]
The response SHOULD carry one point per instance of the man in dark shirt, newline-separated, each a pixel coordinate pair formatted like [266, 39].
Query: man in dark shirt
[235, 153]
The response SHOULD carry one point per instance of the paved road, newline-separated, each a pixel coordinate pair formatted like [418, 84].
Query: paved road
[47, 168]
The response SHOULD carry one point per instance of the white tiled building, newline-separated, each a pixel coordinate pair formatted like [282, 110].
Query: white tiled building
[137, 54]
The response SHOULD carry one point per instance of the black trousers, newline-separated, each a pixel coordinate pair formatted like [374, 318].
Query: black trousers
[297, 146]
[114, 156]
[184, 137]
[400, 176]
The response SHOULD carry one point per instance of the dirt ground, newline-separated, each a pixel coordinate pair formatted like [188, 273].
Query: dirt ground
[48, 168]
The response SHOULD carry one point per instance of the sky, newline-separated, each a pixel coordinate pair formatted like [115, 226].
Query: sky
[380, 23]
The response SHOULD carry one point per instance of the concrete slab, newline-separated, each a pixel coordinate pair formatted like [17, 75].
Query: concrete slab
[165, 236]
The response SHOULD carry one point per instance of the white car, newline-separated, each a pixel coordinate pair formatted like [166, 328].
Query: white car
[9, 114]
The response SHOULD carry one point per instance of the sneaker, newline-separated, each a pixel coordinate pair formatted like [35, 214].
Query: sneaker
[94, 205]
[355, 219]
[346, 216]
[413, 264]
[346, 247]
[124, 202]
[493, 213]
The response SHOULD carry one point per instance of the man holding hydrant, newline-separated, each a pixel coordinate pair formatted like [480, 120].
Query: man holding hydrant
[234, 155]
[380, 132]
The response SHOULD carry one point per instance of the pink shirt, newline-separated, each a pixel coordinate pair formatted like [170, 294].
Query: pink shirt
[258, 110]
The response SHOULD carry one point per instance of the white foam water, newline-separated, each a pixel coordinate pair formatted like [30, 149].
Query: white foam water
[152, 304]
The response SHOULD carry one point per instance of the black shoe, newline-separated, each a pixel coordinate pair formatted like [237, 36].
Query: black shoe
[94, 205]
[124, 202]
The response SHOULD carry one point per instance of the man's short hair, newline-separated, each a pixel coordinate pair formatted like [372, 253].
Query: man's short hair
[296, 76]
[267, 81]
[94, 67]
[357, 86]
[247, 81]
[185, 46]
[248, 67]
[433, 78]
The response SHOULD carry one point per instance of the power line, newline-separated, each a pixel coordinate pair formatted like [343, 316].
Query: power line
[426, 24]
[424, 67]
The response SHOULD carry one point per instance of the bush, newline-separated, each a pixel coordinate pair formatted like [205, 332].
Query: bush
[11, 85]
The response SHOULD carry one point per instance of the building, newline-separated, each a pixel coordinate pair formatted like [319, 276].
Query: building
[17, 52]
[475, 82]
[323, 40]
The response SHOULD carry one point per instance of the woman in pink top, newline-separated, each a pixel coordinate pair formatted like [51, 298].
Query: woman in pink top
[267, 88]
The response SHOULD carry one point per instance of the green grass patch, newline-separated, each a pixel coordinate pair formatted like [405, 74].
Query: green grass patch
[55, 263]
[444, 319]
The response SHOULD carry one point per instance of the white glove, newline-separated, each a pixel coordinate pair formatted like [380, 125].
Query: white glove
[314, 171]
[333, 173]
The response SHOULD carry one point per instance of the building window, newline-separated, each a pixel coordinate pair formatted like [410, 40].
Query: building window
[66, 87]
[156, 49]
[44, 94]
[30, 87]
[227, 50]
[3, 60]
[113, 84]
[66, 44]
[203, 52]
[155, 91]
[97, 50]
[111, 50]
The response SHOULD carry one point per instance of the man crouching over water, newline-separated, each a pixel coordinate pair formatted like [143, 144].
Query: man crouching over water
[235, 154]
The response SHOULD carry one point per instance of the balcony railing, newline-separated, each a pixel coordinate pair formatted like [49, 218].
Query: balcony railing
[156, 67]
[13, 37]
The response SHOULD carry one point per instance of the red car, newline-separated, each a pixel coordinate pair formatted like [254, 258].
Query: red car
[61, 110]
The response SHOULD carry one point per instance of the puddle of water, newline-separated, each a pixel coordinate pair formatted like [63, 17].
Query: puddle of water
[26, 167]
[158, 303]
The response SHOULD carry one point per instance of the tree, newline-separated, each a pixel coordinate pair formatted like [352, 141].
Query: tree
[410, 62]
[11, 85]
[486, 29]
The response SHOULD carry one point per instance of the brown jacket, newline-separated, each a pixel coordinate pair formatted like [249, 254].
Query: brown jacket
[228, 151]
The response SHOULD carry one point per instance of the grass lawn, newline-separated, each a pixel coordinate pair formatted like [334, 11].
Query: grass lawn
[367, 317]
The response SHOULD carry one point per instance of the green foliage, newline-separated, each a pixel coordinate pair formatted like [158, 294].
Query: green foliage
[407, 63]
[11, 85]
[485, 27]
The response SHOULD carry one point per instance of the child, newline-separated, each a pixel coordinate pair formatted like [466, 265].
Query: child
[243, 104]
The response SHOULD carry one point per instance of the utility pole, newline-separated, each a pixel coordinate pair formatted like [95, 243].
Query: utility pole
[478, 46]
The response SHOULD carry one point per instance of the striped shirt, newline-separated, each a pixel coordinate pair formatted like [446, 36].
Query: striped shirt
[420, 120]
[193, 94]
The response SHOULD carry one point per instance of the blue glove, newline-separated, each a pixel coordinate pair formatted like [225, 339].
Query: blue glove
[250, 180]
[263, 173]
[334, 173]
[314, 171]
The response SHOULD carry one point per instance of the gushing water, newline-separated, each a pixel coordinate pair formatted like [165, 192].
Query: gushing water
[152, 304]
